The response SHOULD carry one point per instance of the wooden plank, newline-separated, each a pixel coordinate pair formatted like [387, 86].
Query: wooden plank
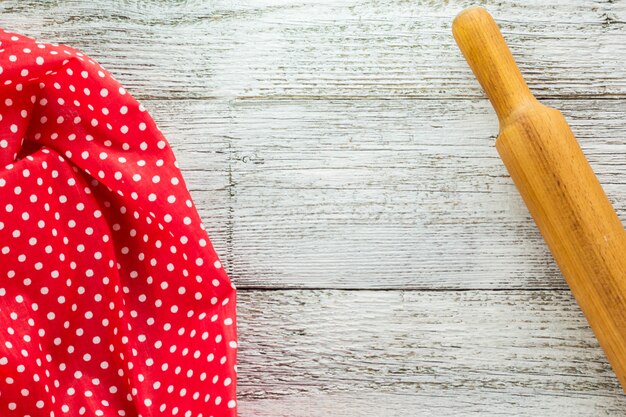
[373, 193]
[440, 404]
[342, 353]
[332, 49]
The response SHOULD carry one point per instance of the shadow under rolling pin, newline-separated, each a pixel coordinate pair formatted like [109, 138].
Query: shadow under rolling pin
[563, 195]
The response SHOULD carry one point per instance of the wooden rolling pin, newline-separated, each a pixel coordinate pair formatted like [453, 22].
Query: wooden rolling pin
[574, 215]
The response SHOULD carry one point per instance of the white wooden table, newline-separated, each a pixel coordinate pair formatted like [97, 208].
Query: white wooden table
[342, 156]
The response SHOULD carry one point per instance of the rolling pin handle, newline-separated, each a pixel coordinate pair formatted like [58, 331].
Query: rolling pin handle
[489, 57]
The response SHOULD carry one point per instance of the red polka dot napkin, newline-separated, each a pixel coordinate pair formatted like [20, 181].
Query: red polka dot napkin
[112, 300]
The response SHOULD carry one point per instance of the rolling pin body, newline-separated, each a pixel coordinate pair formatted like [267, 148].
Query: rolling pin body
[563, 195]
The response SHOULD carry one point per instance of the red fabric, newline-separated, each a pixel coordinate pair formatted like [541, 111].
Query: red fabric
[112, 300]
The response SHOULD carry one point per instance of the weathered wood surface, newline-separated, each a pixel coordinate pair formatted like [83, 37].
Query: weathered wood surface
[329, 48]
[440, 353]
[330, 190]
[345, 144]
[373, 193]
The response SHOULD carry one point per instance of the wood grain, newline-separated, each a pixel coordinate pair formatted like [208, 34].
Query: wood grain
[346, 144]
[559, 187]
[433, 404]
[522, 353]
[373, 193]
[328, 49]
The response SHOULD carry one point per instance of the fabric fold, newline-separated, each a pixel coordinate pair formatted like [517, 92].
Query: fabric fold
[112, 299]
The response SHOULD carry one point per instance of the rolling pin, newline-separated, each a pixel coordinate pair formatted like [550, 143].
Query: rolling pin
[563, 195]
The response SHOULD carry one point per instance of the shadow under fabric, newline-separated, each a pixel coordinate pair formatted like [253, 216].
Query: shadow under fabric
[112, 299]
